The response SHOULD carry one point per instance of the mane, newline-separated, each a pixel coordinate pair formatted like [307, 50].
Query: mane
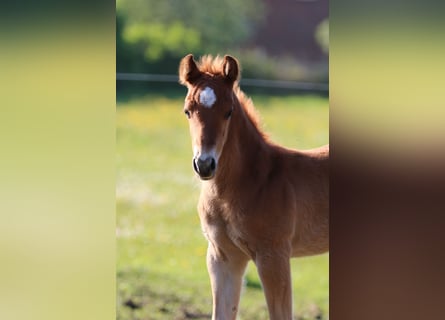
[210, 64]
[214, 66]
[250, 110]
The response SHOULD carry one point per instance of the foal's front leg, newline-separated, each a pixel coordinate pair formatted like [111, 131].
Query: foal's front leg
[226, 270]
[274, 271]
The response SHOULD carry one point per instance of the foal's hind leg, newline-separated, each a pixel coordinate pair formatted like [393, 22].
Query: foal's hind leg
[226, 270]
[274, 271]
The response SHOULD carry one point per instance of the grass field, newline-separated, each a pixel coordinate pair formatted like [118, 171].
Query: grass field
[161, 270]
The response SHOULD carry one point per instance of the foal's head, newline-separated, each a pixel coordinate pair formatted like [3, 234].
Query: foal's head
[208, 106]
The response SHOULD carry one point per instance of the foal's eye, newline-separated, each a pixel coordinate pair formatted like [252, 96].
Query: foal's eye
[187, 113]
[228, 114]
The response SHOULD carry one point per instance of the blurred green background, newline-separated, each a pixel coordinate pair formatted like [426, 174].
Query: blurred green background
[282, 41]
[161, 269]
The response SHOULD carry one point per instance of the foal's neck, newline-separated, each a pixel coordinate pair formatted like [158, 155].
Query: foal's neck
[244, 148]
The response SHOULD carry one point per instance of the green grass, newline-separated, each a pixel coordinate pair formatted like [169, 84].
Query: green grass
[160, 248]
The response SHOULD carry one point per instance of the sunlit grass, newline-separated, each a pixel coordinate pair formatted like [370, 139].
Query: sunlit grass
[160, 247]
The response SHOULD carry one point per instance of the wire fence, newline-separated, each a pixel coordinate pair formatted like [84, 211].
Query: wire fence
[261, 83]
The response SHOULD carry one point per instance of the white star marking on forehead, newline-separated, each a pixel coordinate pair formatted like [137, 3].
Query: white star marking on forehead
[207, 97]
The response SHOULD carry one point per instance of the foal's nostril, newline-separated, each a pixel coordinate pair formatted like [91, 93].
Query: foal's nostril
[195, 166]
[205, 168]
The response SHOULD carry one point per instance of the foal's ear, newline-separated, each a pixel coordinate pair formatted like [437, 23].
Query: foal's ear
[230, 68]
[188, 71]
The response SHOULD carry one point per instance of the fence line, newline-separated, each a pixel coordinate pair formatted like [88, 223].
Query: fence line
[281, 84]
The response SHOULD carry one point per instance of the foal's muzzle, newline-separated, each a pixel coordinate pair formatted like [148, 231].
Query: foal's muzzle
[204, 168]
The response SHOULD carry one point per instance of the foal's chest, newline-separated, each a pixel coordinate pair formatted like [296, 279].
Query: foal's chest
[222, 225]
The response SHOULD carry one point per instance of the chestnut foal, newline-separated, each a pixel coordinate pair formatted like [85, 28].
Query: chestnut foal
[258, 201]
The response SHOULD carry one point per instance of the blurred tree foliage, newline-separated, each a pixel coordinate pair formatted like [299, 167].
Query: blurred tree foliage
[152, 35]
[322, 35]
